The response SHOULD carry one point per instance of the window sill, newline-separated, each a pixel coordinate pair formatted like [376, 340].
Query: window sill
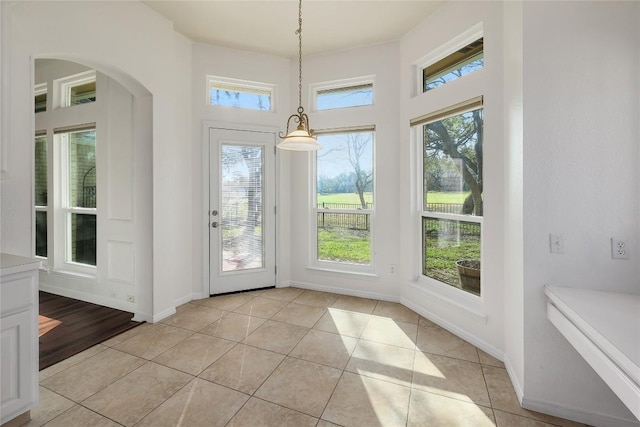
[471, 305]
[71, 273]
[333, 271]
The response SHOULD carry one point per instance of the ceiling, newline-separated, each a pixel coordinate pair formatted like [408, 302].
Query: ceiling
[269, 26]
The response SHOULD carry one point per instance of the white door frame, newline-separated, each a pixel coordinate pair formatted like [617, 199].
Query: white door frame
[206, 192]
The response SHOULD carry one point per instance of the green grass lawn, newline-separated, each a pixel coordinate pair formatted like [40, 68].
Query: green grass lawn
[456, 197]
[340, 245]
[351, 198]
[432, 197]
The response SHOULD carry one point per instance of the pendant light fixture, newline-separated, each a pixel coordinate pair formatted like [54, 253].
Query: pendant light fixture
[302, 138]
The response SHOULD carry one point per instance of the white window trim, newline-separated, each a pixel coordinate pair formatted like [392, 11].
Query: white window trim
[453, 45]
[338, 84]
[331, 266]
[241, 85]
[40, 89]
[63, 87]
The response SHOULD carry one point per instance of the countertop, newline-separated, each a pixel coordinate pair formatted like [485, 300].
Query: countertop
[611, 320]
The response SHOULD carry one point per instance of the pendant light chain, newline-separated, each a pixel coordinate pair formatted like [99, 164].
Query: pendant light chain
[301, 138]
[299, 32]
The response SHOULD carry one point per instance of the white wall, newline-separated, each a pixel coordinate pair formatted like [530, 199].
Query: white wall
[480, 321]
[130, 43]
[236, 64]
[380, 61]
[581, 180]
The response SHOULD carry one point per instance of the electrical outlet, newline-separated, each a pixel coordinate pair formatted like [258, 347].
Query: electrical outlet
[131, 298]
[556, 243]
[619, 248]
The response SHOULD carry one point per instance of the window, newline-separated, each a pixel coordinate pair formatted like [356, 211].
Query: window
[344, 201]
[40, 99]
[79, 200]
[78, 89]
[461, 62]
[452, 194]
[344, 97]
[240, 94]
[41, 199]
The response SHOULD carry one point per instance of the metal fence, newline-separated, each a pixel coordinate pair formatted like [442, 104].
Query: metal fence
[436, 226]
[344, 221]
[324, 205]
[449, 208]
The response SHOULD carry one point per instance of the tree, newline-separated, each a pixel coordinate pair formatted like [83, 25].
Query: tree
[357, 145]
[460, 138]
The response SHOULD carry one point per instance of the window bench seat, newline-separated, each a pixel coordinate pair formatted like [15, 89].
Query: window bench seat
[604, 327]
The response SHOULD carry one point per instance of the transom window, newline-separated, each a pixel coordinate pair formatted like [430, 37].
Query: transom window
[459, 63]
[235, 93]
[343, 95]
[452, 194]
[344, 200]
[77, 89]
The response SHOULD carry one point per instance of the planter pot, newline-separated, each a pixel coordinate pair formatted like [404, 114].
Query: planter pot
[469, 273]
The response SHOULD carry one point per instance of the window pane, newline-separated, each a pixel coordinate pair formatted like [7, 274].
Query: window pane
[83, 238]
[82, 94]
[451, 252]
[353, 96]
[466, 60]
[254, 99]
[452, 164]
[345, 170]
[242, 207]
[345, 181]
[41, 171]
[41, 102]
[82, 169]
[41, 234]
[344, 237]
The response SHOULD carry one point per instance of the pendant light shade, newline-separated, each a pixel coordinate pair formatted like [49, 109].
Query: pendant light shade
[302, 138]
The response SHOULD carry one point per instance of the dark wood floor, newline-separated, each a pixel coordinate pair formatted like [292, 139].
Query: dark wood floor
[69, 326]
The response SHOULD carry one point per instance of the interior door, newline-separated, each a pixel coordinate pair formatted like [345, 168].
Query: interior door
[241, 210]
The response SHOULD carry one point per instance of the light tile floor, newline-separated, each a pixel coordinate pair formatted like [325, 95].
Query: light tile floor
[284, 357]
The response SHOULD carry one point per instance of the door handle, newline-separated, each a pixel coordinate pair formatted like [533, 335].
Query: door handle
[214, 224]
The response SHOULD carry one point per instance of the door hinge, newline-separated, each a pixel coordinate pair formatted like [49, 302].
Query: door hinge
[274, 150]
[275, 269]
[275, 210]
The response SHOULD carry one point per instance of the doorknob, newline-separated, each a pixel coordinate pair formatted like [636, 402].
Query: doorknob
[214, 224]
[214, 213]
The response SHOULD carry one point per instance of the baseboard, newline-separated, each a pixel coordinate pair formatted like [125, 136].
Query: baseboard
[163, 315]
[577, 414]
[185, 299]
[517, 387]
[343, 291]
[454, 329]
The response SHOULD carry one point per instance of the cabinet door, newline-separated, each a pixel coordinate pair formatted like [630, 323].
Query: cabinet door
[16, 363]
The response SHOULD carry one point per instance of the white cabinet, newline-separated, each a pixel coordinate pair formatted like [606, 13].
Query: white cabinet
[18, 335]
